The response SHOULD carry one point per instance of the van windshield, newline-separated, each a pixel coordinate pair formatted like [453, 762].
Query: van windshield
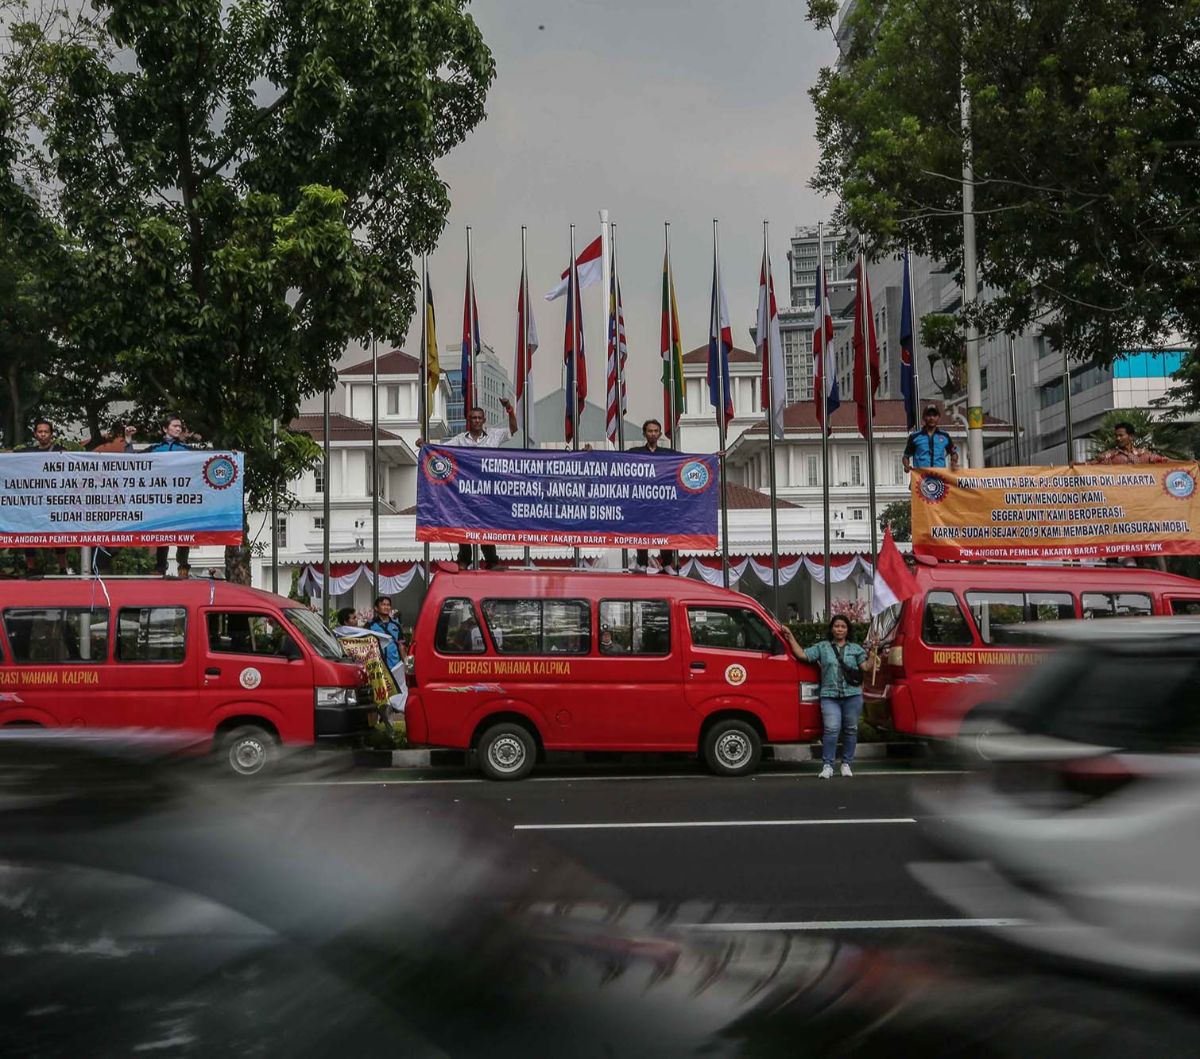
[319, 638]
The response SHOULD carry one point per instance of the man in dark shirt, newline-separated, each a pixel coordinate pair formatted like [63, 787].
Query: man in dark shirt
[652, 432]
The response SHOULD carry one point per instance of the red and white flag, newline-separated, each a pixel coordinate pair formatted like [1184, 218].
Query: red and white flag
[617, 348]
[527, 343]
[825, 383]
[770, 349]
[893, 583]
[587, 265]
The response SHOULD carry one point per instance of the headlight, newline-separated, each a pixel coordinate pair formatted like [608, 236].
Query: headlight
[335, 696]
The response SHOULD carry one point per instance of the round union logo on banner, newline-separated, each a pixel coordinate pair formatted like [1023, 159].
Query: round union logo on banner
[220, 472]
[933, 489]
[695, 476]
[439, 468]
[1179, 484]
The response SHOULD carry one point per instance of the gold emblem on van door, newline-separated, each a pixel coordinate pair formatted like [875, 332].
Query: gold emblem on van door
[735, 674]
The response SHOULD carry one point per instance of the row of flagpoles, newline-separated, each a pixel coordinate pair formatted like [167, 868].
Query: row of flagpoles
[600, 257]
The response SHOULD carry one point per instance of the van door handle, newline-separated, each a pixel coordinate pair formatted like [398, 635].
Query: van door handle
[212, 671]
[699, 665]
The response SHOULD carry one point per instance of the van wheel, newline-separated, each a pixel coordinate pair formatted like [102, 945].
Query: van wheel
[732, 748]
[506, 752]
[248, 750]
[982, 722]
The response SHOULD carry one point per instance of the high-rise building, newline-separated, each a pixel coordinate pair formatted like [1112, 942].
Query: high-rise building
[491, 383]
[796, 320]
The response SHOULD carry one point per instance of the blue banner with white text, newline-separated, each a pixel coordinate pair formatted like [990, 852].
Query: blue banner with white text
[577, 499]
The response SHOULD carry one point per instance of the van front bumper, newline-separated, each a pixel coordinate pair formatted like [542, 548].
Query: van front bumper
[344, 723]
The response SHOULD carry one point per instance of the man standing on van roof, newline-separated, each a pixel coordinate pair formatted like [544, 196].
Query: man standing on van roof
[930, 446]
[652, 432]
[43, 441]
[1126, 451]
[172, 441]
[478, 436]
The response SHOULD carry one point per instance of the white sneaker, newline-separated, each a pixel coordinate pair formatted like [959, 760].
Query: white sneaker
[846, 770]
[826, 773]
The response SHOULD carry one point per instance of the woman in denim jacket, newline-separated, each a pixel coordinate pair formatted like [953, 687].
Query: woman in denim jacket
[842, 666]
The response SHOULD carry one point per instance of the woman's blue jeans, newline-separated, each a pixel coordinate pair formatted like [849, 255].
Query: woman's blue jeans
[840, 716]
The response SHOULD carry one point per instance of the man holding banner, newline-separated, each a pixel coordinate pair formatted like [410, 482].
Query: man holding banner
[652, 432]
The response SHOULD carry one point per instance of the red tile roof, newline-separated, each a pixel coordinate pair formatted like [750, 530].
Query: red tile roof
[742, 498]
[397, 362]
[699, 355]
[889, 415]
[341, 428]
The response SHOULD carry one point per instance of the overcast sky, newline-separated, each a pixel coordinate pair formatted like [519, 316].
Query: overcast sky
[657, 110]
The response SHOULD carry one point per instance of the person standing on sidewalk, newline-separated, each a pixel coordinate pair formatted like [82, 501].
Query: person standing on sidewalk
[172, 441]
[392, 643]
[843, 664]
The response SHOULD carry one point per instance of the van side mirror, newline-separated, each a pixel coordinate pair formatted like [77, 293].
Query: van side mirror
[290, 650]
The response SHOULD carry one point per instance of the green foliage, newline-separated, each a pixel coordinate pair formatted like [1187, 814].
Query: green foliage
[1083, 139]
[898, 517]
[232, 191]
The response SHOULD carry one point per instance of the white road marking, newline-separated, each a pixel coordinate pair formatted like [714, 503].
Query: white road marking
[860, 924]
[622, 826]
[418, 780]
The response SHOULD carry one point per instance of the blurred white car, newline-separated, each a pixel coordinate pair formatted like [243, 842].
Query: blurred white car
[1078, 828]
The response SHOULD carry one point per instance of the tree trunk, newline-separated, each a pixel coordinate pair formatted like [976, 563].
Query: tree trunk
[237, 564]
[14, 397]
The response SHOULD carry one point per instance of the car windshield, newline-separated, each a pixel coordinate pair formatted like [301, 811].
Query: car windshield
[319, 638]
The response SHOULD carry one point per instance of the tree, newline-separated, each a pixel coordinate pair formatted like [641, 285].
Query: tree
[1083, 119]
[897, 516]
[246, 182]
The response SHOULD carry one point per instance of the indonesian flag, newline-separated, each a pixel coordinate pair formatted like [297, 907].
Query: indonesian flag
[527, 343]
[720, 344]
[588, 267]
[893, 582]
[616, 409]
[770, 349]
[866, 347]
[825, 383]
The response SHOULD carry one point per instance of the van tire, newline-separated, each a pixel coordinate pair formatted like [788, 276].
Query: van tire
[732, 748]
[507, 751]
[984, 720]
[248, 750]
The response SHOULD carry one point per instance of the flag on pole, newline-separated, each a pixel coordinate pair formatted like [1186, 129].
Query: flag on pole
[574, 364]
[470, 343]
[825, 383]
[671, 347]
[865, 346]
[429, 350]
[720, 343]
[770, 349]
[893, 582]
[527, 343]
[908, 389]
[587, 266]
[617, 347]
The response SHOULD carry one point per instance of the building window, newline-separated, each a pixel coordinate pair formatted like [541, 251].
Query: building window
[983, 378]
[319, 522]
[814, 471]
[856, 513]
[319, 479]
[898, 469]
[393, 400]
[856, 469]
[281, 532]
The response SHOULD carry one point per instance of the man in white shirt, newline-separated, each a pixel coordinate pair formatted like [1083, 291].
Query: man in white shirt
[478, 436]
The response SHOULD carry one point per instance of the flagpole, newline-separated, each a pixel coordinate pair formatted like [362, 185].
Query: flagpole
[606, 267]
[912, 327]
[765, 341]
[375, 461]
[326, 484]
[274, 511]
[423, 406]
[676, 427]
[720, 407]
[867, 323]
[1012, 396]
[523, 345]
[576, 330]
[821, 278]
[471, 400]
[615, 325]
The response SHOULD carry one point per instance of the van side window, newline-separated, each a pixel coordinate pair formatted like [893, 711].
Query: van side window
[458, 631]
[1006, 617]
[943, 622]
[151, 634]
[57, 634]
[636, 626]
[731, 628]
[1115, 604]
[539, 626]
[1185, 606]
[246, 634]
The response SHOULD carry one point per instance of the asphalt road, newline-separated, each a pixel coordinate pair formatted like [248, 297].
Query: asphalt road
[781, 849]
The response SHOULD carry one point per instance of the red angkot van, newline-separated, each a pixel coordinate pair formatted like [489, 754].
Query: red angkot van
[517, 662]
[248, 669]
[954, 650]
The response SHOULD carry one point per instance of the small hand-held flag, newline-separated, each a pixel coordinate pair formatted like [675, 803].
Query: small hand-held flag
[893, 583]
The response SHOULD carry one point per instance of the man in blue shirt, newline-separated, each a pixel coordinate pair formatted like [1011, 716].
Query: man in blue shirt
[172, 441]
[930, 446]
[384, 622]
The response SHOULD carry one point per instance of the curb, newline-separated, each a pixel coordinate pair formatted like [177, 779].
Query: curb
[784, 752]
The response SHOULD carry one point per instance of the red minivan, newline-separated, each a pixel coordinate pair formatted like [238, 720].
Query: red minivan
[953, 651]
[514, 663]
[247, 669]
